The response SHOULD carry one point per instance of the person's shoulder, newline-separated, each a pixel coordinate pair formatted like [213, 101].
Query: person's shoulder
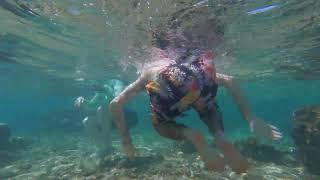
[223, 76]
[144, 76]
[147, 74]
[223, 79]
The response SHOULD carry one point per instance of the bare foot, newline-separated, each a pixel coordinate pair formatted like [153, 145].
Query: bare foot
[235, 160]
[216, 164]
[207, 154]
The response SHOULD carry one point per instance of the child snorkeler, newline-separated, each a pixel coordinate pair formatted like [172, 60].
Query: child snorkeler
[98, 124]
[183, 77]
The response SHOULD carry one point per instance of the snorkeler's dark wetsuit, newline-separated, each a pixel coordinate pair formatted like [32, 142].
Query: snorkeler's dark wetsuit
[189, 82]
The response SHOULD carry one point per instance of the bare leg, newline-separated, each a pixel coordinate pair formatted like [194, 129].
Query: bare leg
[213, 119]
[176, 131]
[98, 128]
[210, 157]
[105, 123]
[234, 159]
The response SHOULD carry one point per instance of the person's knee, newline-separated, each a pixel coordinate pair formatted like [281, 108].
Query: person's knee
[221, 141]
[170, 131]
[198, 136]
[162, 130]
[194, 135]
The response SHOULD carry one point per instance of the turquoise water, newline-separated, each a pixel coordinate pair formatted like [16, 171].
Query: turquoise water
[53, 51]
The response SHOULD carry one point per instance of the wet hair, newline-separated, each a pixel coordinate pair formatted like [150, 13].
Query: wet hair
[160, 39]
[173, 33]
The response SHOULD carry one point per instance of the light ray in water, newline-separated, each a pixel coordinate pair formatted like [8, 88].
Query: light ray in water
[262, 9]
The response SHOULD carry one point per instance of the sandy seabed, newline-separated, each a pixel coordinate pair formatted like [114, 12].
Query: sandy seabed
[71, 156]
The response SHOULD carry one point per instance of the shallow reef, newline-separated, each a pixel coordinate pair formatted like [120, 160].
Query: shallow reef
[5, 134]
[257, 150]
[71, 156]
[10, 146]
[306, 136]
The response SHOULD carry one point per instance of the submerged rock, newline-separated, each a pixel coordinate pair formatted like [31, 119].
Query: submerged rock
[253, 148]
[8, 143]
[18, 142]
[306, 135]
[9, 171]
[5, 157]
[32, 175]
[5, 134]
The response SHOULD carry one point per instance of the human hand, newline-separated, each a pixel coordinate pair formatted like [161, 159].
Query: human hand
[129, 150]
[85, 121]
[79, 101]
[262, 129]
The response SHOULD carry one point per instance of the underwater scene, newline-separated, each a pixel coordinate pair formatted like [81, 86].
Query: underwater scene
[160, 89]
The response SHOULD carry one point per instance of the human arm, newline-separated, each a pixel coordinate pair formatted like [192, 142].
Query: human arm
[79, 102]
[116, 108]
[82, 103]
[93, 103]
[234, 90]
[257, 126]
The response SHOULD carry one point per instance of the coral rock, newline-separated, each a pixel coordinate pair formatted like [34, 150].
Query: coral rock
[5, 134]
[306, 135]
[9, 171]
